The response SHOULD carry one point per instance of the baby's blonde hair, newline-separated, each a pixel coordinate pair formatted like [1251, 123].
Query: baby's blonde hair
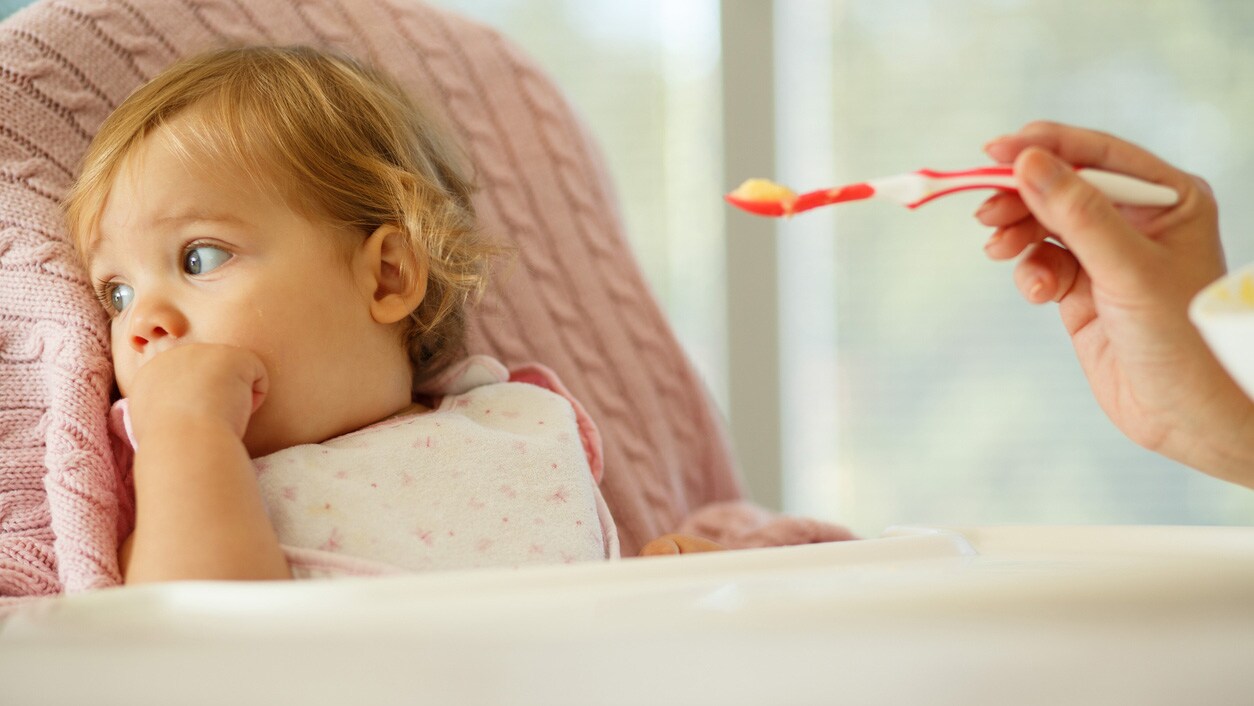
[337, 141]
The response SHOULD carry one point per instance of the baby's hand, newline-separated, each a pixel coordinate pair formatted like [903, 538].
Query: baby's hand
[198, 383]
[679, 544]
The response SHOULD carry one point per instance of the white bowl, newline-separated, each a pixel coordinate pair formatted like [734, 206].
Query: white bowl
[1224, 313]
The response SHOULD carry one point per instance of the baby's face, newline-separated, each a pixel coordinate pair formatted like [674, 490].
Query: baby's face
[199, 254]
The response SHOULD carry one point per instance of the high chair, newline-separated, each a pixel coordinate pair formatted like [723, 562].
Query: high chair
[573, 299]
[960, 615]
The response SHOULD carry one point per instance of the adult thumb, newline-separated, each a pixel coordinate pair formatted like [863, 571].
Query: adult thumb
[1107, 246]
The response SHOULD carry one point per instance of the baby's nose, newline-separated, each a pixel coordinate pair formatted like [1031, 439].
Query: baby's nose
[140, 342]
[155, 324]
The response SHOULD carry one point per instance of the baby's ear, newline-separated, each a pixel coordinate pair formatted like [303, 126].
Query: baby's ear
[393, 273]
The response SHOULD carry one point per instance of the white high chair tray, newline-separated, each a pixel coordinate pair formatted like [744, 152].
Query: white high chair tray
[978, 615]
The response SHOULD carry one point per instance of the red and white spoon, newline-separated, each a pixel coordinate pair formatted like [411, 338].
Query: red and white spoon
[765, 198]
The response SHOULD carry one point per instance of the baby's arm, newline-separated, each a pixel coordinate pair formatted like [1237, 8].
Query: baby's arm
[199, 514]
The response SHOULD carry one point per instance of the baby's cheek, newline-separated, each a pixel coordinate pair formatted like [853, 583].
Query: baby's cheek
[122, 378]
[123, 370]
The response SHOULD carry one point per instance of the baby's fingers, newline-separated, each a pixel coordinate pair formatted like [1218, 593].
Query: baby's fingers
[679, 544]
[1046, 273]
[661, 546]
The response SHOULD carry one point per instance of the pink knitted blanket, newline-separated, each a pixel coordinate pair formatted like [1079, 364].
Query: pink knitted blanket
[574, 300]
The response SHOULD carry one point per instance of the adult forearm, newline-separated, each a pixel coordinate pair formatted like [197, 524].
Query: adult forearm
[199, 514]
[1220, 441]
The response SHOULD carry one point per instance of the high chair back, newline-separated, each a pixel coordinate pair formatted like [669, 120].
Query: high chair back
[574, 299]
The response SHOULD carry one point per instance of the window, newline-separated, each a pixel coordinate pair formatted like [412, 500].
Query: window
[916, 385]
[929, 391]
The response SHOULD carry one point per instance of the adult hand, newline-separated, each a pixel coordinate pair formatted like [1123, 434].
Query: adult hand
[1123, 278]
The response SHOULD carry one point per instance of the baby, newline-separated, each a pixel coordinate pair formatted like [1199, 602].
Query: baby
[285, 245]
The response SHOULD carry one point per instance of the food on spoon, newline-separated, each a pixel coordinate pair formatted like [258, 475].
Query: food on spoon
[765, 190]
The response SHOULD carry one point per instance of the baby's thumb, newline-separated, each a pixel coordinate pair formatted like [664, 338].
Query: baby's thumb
[1106, 245]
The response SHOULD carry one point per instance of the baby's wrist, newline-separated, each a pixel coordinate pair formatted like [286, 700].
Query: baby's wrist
[186, 427]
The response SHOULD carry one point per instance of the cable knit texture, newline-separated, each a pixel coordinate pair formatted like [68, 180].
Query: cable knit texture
[66, 64]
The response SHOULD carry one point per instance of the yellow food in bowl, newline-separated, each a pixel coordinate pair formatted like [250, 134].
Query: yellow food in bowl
[1224, 314]
[1230, 294]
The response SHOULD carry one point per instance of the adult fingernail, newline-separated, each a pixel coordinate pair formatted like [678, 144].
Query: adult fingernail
[984, 208]
[993, 142]
[1034, 292]
[1041, 170]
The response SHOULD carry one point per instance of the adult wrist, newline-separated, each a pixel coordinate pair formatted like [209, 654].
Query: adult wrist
[1221, 442]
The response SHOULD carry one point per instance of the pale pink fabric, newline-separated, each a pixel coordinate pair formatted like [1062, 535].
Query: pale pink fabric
[743, 525]
[64, 64]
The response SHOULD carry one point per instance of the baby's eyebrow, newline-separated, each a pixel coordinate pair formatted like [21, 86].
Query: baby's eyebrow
[94, 246]
[176, 220]
[179, 219]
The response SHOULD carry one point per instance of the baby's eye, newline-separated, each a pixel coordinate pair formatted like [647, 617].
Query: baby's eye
[118, 296]
[204, 258]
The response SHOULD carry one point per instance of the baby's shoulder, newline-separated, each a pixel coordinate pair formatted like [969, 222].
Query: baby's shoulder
[517, 407]
[528, 399]
[482, 387]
